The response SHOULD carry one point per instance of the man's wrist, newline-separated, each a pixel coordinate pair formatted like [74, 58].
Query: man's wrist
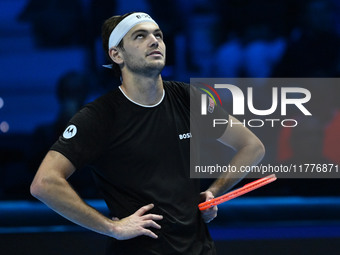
[212, 190]
[112, 228]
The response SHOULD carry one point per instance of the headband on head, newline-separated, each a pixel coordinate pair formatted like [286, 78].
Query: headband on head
[124, 27]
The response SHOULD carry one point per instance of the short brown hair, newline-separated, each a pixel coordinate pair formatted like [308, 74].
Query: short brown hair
[107, 29]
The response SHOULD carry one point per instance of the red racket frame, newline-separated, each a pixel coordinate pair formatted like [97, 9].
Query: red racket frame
[238, 192]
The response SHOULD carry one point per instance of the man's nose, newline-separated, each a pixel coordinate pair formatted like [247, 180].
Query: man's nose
[153, 41]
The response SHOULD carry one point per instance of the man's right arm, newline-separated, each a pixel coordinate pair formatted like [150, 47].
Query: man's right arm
[50, 186]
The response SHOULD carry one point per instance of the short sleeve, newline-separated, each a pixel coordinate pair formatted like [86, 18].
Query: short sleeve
[83, 140]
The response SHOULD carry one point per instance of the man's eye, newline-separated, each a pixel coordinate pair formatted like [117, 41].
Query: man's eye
[140, 36]
[159, 36]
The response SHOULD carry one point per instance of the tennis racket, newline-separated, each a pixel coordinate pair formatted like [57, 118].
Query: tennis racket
[238, 192]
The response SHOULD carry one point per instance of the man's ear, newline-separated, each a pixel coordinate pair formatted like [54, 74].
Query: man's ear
[115, 55]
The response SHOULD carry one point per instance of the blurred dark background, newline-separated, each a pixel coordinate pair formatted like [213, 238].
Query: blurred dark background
[51, 64]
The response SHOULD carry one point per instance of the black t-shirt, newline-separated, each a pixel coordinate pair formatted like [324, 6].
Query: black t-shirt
[140, 155]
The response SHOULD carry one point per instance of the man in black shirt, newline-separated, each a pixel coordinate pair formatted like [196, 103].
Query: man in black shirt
[137, 138]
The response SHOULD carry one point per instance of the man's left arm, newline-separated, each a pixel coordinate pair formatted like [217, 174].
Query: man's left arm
[249, 151]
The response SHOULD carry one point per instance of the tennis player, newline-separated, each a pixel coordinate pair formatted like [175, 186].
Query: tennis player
[137, 139]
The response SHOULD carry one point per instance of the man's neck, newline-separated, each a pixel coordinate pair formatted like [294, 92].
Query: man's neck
[143, 90]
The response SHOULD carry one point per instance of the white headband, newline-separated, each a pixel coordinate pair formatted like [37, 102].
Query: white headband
[125, 25]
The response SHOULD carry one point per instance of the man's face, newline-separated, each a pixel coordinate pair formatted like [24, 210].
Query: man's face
[144, 49]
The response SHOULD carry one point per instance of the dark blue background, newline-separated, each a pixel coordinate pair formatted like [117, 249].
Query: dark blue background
[50, 60]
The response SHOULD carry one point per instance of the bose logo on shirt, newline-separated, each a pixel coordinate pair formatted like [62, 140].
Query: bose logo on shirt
[185, 136]
[70, 132]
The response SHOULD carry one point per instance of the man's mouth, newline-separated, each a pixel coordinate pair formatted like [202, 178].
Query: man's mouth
[155, 53]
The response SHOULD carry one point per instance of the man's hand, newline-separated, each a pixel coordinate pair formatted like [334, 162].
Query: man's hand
[137, 224]
[209, 214]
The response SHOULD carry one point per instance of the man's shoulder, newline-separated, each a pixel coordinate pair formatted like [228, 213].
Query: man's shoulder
[106, 100]
[102, 105]
[176, 84]
[177, 87]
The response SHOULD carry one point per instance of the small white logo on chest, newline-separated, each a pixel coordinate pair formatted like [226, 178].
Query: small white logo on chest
[185, 136]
